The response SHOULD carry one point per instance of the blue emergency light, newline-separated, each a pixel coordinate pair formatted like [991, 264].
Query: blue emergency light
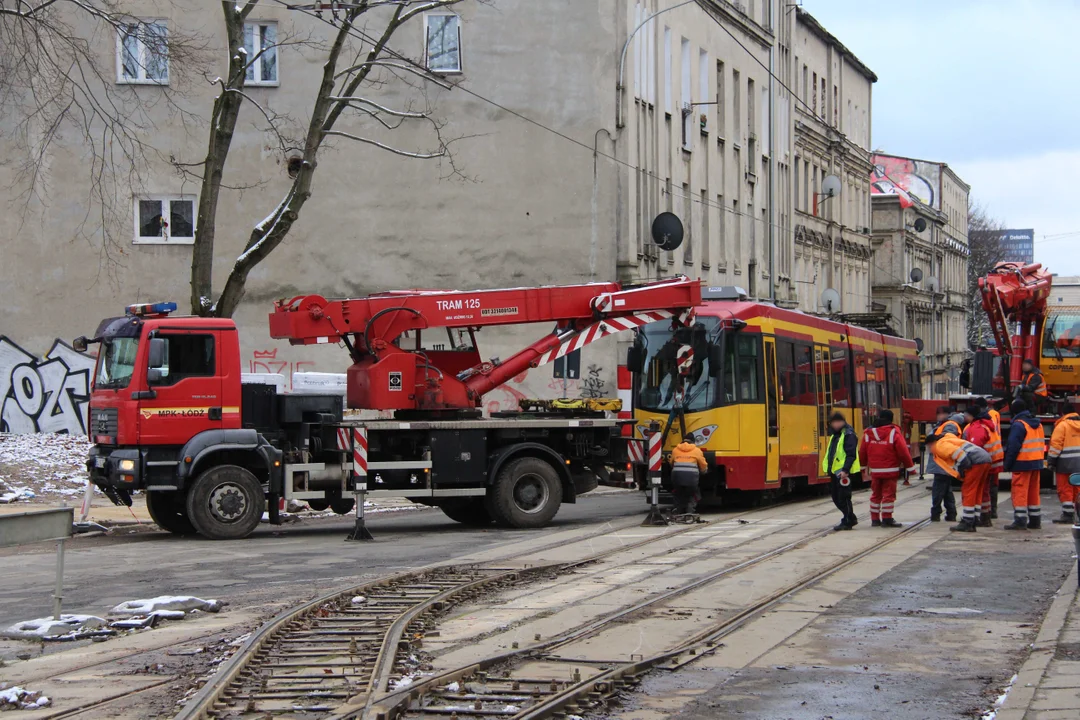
[142, 309]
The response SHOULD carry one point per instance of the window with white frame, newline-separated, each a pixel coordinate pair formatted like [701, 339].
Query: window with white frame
[165, 219]
[142, 52]
[442, 42]
[260, 42]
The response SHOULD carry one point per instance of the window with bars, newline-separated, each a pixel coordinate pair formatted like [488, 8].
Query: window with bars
[260, 42]
[142, 52]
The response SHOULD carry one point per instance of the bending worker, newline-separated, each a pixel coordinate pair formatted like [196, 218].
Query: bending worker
[841, 464]
[1024, 459]
[948, 423]
[687, 466]
[884, 452]
[968, 462]
[1064, 460]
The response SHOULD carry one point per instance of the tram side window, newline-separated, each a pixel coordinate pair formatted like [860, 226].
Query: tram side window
[896, 381]
[914, 383]
[785, 371]
[841, 378]
[879, 381]
[747, 378]
[804, 366]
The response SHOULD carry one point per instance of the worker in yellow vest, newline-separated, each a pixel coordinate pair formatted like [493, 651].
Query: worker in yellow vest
[841, 464]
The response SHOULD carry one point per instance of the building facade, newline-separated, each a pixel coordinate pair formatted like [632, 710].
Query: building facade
[921, 254]
[693, 122]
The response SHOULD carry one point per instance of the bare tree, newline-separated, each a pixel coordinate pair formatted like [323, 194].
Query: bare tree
[359, 60]
[984, 241]
[56, 80]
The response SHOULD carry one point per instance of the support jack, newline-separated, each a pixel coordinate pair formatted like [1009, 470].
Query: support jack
[360, 531]
[655, 516]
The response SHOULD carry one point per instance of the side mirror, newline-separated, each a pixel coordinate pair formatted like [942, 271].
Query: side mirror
[716, 360]
[80, 344]
[157, 353]
[153, 376]
[635, 358]
[1074, 479]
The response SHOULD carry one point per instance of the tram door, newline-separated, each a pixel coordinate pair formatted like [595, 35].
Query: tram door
[772, 419]
[823, 369]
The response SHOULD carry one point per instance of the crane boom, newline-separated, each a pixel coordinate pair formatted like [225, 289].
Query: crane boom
[1016, 295]
[385, 376]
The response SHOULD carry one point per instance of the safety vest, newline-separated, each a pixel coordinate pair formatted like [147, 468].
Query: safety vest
[839, 454]
[951, 451]
[1034, 447]
[995, 447]
[996, 416]
[1041, 389]
[1065, 444]
[949, 426]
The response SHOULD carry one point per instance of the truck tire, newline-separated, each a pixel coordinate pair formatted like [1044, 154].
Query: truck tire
[342, 505]
[318, 504]
[226, 503]
[526, 494]
[169, 511]
[472, 512]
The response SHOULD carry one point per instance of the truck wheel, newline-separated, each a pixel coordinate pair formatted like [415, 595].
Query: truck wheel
[526, 494]
[226, 503]
[342, 505]
[318, 504]
[472, 512]
[169, 511]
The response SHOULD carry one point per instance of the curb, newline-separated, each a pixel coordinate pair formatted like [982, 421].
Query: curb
[1019, 699]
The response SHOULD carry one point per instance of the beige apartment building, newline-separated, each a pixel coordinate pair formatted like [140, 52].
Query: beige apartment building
[697, 126]
[920, 289]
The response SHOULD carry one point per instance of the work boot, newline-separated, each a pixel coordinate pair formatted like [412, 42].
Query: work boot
[935, 518]
[852, 521]
[889, 522]
[985, 521]
[842, 526]
[950, 517]
[1035, 523]
[993, 514]
[1065, 519]
[875, 523]
[963, 526]
[1016, 525]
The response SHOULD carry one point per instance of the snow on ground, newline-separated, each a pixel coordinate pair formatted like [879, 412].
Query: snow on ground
[166, 606]
[42, 466]
[19, 698]
[47, 627]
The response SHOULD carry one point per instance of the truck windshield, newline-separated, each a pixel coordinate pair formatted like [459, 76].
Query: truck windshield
[1061, 338]
[657, 385]
[116, 362]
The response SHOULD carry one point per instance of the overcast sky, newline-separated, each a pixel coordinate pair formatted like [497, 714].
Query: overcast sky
[989, 87]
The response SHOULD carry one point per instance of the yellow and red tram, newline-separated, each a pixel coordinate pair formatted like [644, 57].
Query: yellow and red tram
[764, 381]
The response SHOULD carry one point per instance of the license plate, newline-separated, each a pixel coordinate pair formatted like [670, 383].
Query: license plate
[99, 462]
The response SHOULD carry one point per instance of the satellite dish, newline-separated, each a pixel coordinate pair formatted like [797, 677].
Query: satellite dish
[830, 186]
[932, 284]
[667, 231]
[920, 225]
[916, 275]
[918, 344]
[830, 300]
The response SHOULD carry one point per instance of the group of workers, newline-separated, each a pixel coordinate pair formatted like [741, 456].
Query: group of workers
[963, 445]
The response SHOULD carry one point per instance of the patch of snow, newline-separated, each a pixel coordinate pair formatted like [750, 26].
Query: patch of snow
[453, 687]
[402, 682]
[358, 600]
[951, 611]
[17, 697]
[511, 709]
[166, 603]
[47, 627]
[169, 614]
[992, 713]
[240, 640]
[35, 466]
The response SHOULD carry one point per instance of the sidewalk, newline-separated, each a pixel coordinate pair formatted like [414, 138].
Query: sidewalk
[1047, 687]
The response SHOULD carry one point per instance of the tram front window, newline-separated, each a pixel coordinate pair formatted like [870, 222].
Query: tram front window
[660, 379]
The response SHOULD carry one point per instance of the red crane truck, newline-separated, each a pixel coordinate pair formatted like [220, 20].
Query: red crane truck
[170, 416]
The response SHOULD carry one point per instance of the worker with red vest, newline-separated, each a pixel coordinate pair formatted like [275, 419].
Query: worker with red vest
[968, 462]
[1032, 388]
[980, 430]
[1024, 455]
[1064, 459]
[884, 453]
[995, 476]
[948, 423]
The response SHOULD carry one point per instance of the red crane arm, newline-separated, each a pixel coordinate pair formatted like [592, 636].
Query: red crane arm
[384, 376]
[1016, 295]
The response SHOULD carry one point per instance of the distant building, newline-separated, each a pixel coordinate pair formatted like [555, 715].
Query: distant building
[909, 194]
[1018, 246]
[1065, 290]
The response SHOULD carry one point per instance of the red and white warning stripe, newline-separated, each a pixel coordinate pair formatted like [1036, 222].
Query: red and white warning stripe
[360, 450]
[655, 452]
[685, 359]
[636, 450]
[602, 329]
[687, 317]
[343, 439]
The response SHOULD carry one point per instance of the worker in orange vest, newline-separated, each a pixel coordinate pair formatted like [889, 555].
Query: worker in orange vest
[968, 462]
[1024, 456]
[994, 482]
[687, 466]
[981, 431]
[948, 422]
[1032, 388]
[1064, 459]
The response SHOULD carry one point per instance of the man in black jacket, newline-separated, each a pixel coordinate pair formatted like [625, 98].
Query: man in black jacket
[841, 464]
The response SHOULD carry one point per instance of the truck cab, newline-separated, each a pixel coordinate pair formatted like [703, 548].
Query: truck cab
[166, 418]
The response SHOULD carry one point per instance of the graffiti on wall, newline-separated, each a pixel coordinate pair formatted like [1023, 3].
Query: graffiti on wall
[47, 394]
[907, 178]
[267, 361]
